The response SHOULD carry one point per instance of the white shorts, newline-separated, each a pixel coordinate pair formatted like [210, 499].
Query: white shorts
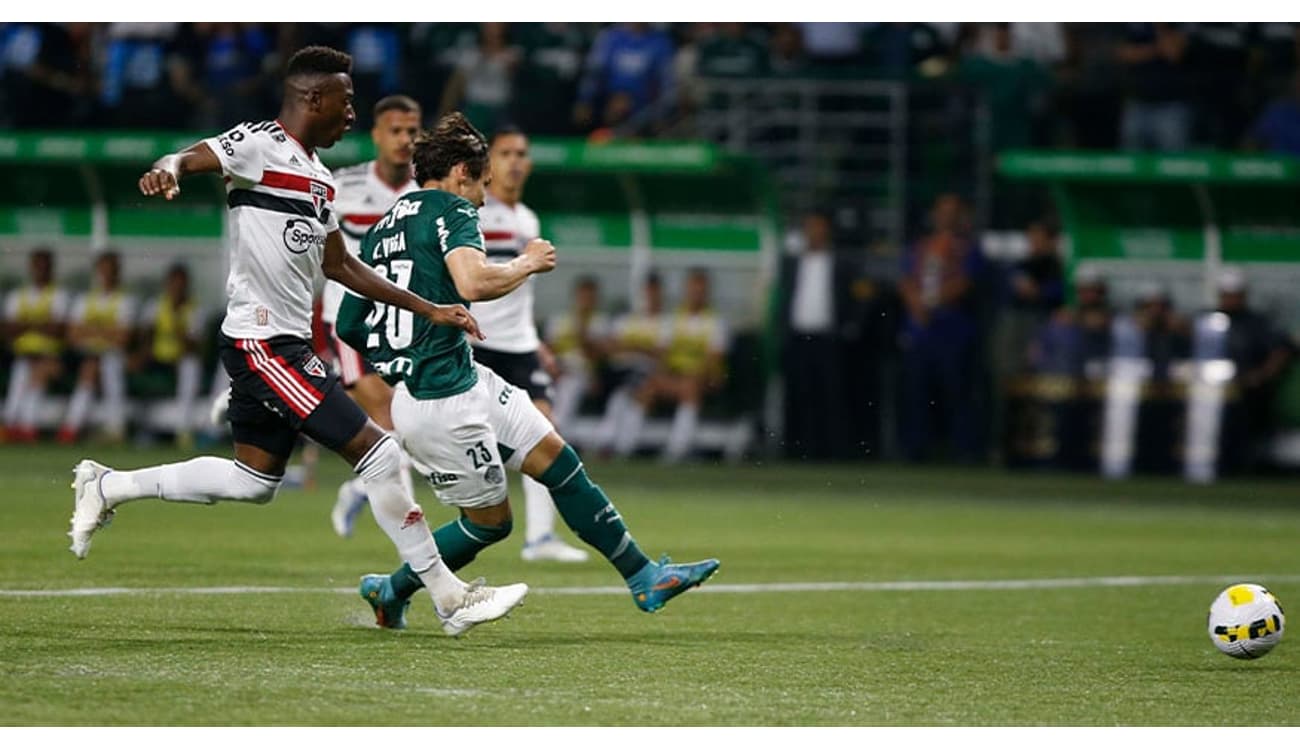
[457, 442]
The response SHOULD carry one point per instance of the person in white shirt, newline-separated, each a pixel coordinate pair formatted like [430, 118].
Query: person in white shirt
[34, 327]
[511, 346]
[284, 229]
[99, 330]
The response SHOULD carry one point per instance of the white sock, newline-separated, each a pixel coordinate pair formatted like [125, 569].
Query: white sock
[18, 378]
[539, 510]
[112, 382]
[187, 390]
[403, 521]
[683, 431]
[78, 406]
[629, 428]
[203, 480]
[30, 409]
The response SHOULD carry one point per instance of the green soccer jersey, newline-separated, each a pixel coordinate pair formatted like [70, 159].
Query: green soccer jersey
[409, 246]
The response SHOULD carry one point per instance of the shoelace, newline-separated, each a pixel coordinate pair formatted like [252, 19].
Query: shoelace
[477, 592]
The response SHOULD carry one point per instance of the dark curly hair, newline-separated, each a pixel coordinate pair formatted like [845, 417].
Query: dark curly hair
[317, 60]
[452, 141]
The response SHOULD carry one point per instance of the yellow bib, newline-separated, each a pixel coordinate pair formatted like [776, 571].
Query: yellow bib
[169, 331]
[36, 309]
[692, 336]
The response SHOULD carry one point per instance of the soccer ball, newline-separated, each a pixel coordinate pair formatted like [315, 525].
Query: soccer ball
[1246, 621]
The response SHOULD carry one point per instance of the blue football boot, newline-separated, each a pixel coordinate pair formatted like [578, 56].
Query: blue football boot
[656, 583]
[378, 593]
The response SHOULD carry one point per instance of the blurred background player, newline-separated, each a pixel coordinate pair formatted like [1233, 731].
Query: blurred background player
[171, 330]
[99, 331]
[365, 192]
[34, 318]
[511, 347]
[576, 339]
[635, 348]
[696, 342]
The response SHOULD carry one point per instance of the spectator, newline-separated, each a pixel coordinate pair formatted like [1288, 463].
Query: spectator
[136, 87]
[1261, 354]
[376, 51]
[627, 72]
[576, 340]
[1218, 55]
[549, 75]
[813, 299]
[785, 57]
[220, 69]
[1013, 86]
[1277, 129]
[833, 44]
[99, 330]
[1157, 114]
[941, 272]
[635, 349]
[904, 50]
[34, 318]
[172, 328]
[482, 82]
[731, 53]
[1077, 334]
[695, 343]
[1166, 334]
[47, 74]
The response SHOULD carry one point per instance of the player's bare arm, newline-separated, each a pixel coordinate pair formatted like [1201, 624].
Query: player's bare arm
[341, 266]
[477, 280]
[164, 177]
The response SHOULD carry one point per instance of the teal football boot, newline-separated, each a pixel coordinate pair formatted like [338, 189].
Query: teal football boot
[656, 583]
[378, 593]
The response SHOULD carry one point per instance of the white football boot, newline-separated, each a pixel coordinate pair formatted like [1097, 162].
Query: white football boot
[553, 549]
[347, 507]
[482, 603]
[90, 511]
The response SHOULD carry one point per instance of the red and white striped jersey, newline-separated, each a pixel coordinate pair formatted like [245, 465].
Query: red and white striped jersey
[281, 201]
[507, 322]
[363, 199]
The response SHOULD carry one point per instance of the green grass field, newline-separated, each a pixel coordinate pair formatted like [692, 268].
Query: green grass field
[1091, 653]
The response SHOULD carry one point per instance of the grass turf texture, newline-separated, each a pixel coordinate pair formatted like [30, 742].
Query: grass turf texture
[1092, 655]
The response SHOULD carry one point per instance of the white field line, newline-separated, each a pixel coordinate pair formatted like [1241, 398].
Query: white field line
[724, 588]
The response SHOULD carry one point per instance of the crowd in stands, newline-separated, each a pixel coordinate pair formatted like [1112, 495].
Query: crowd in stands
[102, 345]
[1087, 85]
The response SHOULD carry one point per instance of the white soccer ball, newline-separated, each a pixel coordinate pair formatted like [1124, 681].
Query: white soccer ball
[1246, 621]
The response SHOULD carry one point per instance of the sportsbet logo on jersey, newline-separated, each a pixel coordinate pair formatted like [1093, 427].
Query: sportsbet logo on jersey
[301, 235]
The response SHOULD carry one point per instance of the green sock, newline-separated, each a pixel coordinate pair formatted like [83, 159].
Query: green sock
[459, 542]
[585, 509]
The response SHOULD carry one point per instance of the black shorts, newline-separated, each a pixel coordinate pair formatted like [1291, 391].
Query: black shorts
[279, 388]
[520, 370]
[350, 365]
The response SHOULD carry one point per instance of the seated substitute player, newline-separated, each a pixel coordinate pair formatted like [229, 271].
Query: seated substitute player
[635, 349]
[99, 330]
[171, 328]
[284, 226]
[511, 347]
[577, 339]
[460, 421]
[696, 343]
[366, 191]
[34, 318]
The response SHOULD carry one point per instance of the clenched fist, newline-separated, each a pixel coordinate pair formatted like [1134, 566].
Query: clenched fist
[541, 255]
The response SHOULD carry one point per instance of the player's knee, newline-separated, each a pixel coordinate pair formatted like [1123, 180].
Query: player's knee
[493, 533]
[384, 459]
[248, 487]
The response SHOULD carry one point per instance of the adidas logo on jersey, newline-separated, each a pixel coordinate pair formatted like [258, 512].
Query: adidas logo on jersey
[294, 161]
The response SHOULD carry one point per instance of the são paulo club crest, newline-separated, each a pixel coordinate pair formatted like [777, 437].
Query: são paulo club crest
[319, 195]
[315, 367]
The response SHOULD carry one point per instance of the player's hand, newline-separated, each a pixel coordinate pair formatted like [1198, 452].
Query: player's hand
[159, 182]
[541, 255]
[456, 316]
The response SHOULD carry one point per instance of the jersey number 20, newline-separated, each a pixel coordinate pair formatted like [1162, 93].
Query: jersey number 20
[398, 325]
